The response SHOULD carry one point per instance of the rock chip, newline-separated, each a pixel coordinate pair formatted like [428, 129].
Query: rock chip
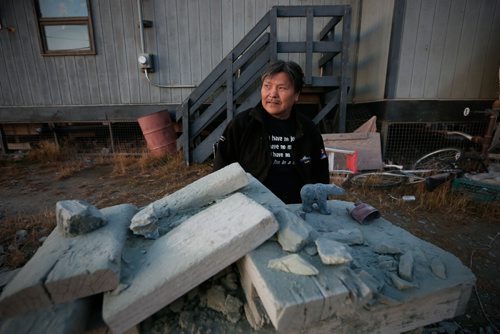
[438, 268]
[311, 249]
[405, 268]
[216, 298]
[389, 265]
[177, 305]
[352, 236]
[294, 264]
[77, 217]
[386, 248]
[373, 283]
[332, 252]
[186, 319]
[21, 236]
[400, 283]
[294, 232]
[230, 281]
[145, 222]
[232, 309]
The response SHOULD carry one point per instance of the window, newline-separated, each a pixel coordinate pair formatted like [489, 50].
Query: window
[65, 27]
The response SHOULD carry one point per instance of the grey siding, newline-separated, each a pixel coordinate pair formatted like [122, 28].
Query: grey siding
[188, 39]
[370, 50]
[450, 50]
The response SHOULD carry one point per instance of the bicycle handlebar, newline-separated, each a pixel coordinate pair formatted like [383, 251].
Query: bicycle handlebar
[463, 134]
[490, 112]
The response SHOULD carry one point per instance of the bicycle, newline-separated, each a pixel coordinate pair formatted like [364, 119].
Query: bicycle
[398, 176]
[467, 161]
[435, 167]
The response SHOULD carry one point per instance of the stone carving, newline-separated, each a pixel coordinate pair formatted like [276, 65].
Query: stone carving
[318, 194]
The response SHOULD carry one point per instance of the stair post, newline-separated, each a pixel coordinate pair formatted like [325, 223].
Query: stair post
[229, 87]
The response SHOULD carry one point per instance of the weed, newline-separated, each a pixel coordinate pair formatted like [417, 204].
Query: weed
[69, 168]
[122, 163]
[37, 225]
[50, 152]
[46, 151]
[442, 199]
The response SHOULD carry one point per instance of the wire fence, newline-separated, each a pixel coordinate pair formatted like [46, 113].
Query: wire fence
[402, 142]
[406, 142]
[88, 137]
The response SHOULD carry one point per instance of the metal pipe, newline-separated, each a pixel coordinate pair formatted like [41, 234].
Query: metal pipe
[166, 86]
[141, 26]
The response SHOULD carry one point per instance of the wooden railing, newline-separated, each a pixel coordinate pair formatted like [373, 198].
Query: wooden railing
[234, 84]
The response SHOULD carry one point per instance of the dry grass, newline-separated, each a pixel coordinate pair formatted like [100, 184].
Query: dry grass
[123, 164]
[442, 199]
[169, 162]
[148, 164]
[46, 151]
[18, 251]
[69, 168]
[147, 175]
[50, 152]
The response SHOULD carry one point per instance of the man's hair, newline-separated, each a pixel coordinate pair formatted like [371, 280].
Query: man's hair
[292, 69]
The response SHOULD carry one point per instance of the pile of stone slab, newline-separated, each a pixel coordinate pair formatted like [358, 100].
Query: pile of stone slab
[300, 271]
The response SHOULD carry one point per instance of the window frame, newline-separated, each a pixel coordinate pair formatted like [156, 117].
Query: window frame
[42, 22]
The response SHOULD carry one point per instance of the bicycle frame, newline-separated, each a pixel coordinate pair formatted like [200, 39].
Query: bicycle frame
[487, 139]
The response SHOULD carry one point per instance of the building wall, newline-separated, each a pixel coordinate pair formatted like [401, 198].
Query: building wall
[371, 44]
[449, 50]
[188, 39]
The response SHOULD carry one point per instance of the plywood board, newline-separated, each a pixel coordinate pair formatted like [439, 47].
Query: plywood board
[367, 144]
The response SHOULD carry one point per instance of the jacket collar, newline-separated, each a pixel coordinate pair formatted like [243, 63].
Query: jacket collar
[258, 114]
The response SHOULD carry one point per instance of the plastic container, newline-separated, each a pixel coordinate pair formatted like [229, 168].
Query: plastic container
[478, 191]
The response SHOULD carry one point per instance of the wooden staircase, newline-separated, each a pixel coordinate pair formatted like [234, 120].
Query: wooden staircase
[234, 84]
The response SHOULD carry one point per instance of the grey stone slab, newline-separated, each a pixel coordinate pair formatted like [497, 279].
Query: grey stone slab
[290, 299]
[7, 275]
[64, 269]
[203, 191]
[194, 251]
[293, 304]
[57, 319]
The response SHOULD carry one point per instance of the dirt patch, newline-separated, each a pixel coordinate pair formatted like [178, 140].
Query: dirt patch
[29, 191]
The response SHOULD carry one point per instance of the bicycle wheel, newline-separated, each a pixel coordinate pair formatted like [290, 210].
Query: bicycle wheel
[443, 159]
[339, 177]
[378, 180]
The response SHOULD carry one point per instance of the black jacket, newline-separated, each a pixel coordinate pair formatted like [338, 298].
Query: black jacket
[245, 141]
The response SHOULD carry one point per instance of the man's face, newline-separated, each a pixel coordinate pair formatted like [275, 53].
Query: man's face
[278, 95]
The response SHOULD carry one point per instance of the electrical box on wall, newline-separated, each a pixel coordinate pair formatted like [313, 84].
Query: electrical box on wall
[146, 62]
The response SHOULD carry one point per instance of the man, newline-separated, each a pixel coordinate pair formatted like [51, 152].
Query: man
[276, 144]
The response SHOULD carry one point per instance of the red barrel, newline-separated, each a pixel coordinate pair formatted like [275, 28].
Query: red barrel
[159, 133]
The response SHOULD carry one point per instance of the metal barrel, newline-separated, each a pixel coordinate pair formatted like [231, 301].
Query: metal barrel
[159, 132]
